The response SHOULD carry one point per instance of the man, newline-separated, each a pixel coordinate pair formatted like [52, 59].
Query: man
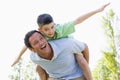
[57, 58]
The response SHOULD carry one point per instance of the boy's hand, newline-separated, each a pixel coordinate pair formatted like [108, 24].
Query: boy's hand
[103, 7]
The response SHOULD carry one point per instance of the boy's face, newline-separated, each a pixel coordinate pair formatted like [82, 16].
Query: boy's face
[48, 29]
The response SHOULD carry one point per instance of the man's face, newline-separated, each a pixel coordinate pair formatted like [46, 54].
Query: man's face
[48, 29]
[39, 44]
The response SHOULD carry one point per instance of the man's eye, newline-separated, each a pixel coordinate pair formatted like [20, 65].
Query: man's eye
[41, 38]
[35, 43]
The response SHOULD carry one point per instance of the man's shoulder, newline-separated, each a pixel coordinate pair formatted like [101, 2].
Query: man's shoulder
[63, 41]
[34, 57]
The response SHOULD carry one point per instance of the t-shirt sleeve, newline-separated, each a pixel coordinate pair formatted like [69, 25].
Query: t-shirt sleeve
[63, 30]
[77, 46]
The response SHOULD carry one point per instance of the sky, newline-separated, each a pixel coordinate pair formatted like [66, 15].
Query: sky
[19, 16]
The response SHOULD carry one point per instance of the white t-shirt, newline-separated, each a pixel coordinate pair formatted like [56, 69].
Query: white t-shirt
[63, 64]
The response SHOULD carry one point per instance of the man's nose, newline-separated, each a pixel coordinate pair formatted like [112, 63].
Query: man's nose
[40, 42]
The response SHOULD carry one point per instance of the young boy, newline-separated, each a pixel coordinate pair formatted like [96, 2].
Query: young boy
[54, 31]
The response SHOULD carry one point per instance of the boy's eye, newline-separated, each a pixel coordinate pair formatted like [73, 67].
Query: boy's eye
[46, 29]
[52, 27]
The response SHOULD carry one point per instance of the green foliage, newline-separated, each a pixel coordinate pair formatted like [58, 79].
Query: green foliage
[101, 72]
[24, 71]
[108, 68]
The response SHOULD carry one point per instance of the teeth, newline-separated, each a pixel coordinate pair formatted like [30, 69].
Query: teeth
[43, 46]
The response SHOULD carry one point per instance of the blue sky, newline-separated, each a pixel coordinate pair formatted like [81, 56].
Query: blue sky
[19, 16]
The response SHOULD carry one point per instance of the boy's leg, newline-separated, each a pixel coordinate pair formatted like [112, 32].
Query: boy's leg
[86, 53]
[84, 66]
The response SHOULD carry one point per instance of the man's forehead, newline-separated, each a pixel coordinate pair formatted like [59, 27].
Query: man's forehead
[35, 36]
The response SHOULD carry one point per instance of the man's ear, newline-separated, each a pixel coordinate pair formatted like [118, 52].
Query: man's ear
[31, 49]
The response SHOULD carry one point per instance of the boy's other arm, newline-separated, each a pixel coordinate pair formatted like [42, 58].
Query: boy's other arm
[85, 53]
[84, 66]
[19, 56]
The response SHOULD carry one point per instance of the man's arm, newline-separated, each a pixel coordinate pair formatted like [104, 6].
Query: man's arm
[42, 73]
[89, 14]
[84, 65]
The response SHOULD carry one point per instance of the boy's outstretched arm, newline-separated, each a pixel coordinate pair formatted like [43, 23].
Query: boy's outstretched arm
[21, 53]
[89, 14]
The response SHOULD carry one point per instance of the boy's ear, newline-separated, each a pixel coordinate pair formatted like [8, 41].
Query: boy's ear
[39, 29]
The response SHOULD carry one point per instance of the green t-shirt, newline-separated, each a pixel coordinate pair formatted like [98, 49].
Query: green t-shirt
[62, 30]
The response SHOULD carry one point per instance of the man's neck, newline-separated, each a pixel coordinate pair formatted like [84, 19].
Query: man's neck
[47, 56]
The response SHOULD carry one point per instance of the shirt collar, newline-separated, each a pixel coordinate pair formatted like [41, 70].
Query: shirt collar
[55, 49]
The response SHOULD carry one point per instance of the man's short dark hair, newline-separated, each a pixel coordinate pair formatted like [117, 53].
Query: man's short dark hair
[27, 36]
[44, 19]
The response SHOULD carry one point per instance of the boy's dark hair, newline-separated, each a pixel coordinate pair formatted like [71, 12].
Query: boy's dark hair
[44, 19]
[27, 36]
